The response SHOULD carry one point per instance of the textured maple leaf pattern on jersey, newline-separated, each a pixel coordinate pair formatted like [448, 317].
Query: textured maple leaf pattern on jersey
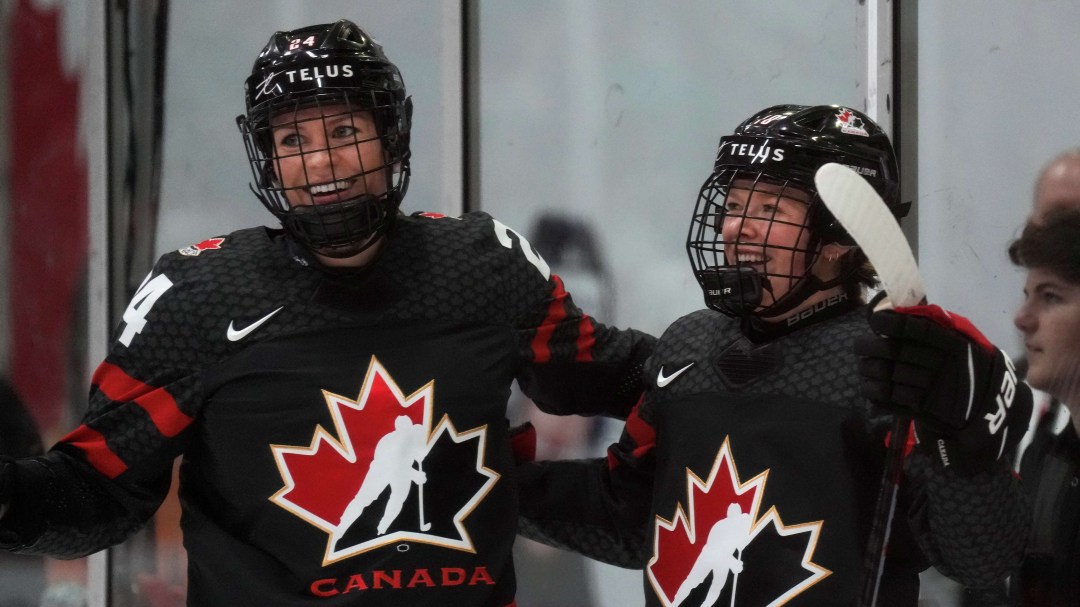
[323, 478]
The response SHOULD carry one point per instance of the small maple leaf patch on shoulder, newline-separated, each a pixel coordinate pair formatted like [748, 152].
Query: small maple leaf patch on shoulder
[206, 245]
[719, 537]
[386, 473]
[434, 215]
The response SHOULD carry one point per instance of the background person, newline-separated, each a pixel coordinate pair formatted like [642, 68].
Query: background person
[1058, 185]
[1049, 320]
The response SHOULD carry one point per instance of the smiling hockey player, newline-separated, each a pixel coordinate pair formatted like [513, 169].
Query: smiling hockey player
[336, 389]
[756, 406]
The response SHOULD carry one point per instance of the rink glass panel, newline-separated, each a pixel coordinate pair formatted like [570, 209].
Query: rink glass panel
[44, 207]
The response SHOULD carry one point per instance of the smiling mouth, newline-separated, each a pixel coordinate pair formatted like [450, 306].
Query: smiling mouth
[334, 187]
[755, 260]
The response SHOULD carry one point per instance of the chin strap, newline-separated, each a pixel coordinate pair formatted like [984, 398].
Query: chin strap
[735, 291]
[803, 289]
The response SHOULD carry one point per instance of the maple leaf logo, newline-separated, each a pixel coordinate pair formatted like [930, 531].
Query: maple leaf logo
[718, 537]
[206, 245]
[850, 123]
[366, 483]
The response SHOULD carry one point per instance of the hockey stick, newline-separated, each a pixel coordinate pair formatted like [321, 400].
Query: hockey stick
[424, 525]
[866, 217]
[735, 576]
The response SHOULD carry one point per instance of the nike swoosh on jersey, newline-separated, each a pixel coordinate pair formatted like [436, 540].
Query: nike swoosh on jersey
[662, 380]
[236, 335]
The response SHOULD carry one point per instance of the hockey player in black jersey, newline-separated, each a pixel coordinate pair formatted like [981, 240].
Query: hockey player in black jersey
[748, 473]
[337, 388]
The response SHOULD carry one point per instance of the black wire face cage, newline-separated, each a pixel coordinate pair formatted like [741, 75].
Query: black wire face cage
[759, 263]
[333, 168]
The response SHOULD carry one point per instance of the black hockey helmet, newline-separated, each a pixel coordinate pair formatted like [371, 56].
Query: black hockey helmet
[783, 146]
[340, 70]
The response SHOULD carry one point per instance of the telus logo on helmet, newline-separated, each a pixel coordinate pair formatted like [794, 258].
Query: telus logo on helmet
[312, 74]
[756, 153]
[316, 73]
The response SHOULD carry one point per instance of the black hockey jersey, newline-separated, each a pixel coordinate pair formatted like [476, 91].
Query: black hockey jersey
[751, 469]
[1051, 469]
[343, 436]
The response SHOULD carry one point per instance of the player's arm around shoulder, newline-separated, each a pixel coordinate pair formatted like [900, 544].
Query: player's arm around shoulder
[596, 507]
[571, 363]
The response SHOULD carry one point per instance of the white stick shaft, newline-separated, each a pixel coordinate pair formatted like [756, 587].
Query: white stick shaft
[424, 525]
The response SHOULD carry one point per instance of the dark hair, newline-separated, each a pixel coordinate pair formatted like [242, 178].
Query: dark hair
[860, 274]
[1053, 244]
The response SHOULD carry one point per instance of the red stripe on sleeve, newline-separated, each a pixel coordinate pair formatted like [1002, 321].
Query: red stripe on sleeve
[168, 417]
[643, 435]
[556, 314]
[92, 443]
[118, 386]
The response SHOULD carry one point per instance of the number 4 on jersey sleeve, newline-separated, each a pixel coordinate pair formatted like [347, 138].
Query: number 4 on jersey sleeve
[135, 315]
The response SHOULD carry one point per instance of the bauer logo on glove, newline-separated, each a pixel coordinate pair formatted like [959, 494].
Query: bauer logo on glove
[968, 407]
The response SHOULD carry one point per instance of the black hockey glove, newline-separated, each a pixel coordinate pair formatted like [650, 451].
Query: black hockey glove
[962, 392]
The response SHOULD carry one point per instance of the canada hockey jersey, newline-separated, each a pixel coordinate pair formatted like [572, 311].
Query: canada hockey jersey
[343, 435]
[748, 476]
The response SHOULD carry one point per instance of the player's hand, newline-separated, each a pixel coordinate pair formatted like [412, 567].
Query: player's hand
[523, 443]
[963, 393]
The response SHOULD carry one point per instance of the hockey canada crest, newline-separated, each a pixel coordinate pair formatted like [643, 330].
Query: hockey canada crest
[366, 485]
[850, 123]
[714, 550]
